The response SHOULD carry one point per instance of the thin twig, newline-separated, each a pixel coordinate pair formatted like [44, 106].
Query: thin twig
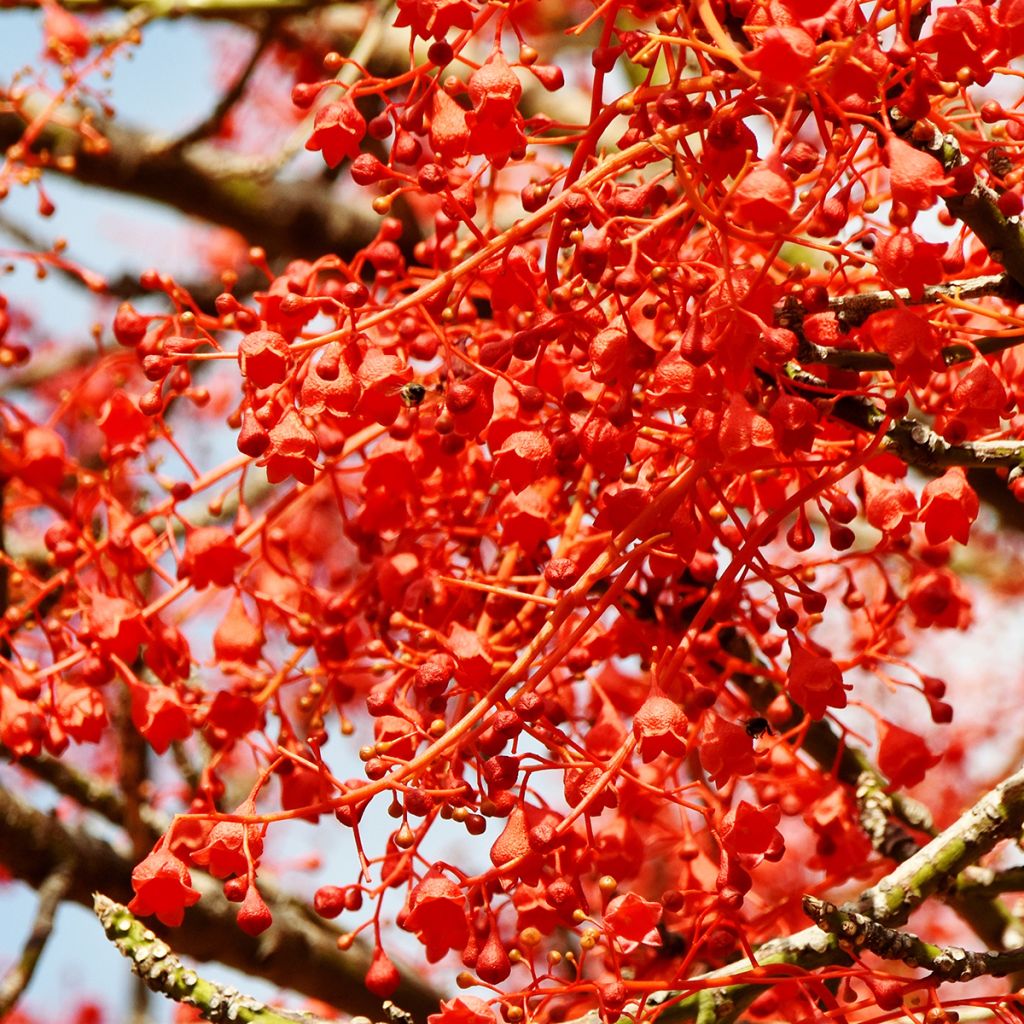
[211, 123]
[17, 979]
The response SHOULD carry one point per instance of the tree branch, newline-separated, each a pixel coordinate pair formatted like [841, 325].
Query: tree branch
[51, 892]
[152, 960]
[298, 952]
[950, 963]
[914, 442]
[998, 815]
[294, 218]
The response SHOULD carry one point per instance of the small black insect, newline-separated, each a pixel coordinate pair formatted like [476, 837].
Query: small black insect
[413, 393]
[758, 727]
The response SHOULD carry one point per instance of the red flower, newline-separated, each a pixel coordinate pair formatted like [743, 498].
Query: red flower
[660, 727]
[916, 178]
[116, 625]
[910, 341]
[906, 260]
[163, 886]
[291, 451]
[123, 426]
[463, 1010]
[524, 458]
[746, 438]
[437, 914]
[264, 358]
[332, 388]
[22, 725]
[338, 129]
[726, 749]
[42, 458]
[948, 507]
[159, 715]
[230, 716]
[784, 55]
[890, 505]
[525, 517]
[232, 848]
[633, 921]
[937, 598]
[815, 681]
[979, 398]
[433, 18]
[764, 198]
[380, 378]
[81, 713]
[449, 134]
[473, 660]
[211, 556]
[750, 833]
[238, 637]
[903, 757]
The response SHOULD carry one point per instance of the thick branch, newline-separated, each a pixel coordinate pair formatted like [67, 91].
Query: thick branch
[914, 442]
[998, 815]
[152, 960]
[950, 963]
[294, 218]
[199, 8]
[299, 952]
[853, 310]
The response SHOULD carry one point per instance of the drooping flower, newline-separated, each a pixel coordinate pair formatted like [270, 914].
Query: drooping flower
[764, 198]
[238, 637]
[660, 727]
[211, 555]
[434, 18]
[338, 130]
[524, 458]
[463, 1010]
[438, 915]
[815, 681]
[116, 625]
[726, 750]
[163, 886]
[890, 506]
[916, 177]
[633, 921]
[752, 833]
[948, 507]
[159, 715]
[291, 450]
[903, 757]
[232, 847]
[264, 357]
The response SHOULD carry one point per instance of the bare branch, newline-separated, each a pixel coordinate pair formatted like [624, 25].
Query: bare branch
[300, 951]
[51, 892]
[914, 442]
[295, 218]
[998, 815]
[209, 125]
[950, 963]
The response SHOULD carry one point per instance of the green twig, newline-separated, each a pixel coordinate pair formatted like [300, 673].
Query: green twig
[857, 932]
[154, 962]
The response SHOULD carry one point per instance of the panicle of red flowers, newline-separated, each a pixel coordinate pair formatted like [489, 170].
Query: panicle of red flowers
[553, 469]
